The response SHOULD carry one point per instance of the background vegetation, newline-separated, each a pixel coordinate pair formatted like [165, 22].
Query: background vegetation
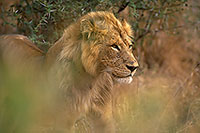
[165, 95]
[43, 21]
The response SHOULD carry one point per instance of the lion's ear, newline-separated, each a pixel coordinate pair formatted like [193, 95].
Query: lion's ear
[127, 27]
[91, 29]
[87, 28]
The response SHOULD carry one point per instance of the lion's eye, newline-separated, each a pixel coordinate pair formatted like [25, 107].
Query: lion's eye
[130, 46]
[116, 47]
[132, 42]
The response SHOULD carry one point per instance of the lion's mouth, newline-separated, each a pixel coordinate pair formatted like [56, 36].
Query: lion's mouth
[126, 80]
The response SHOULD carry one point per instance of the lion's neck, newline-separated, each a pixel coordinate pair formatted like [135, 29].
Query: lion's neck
[80, 79]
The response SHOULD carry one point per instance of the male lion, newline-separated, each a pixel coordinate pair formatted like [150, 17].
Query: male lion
[93, 55]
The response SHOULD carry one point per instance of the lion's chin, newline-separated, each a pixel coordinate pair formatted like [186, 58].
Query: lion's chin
[125, 80]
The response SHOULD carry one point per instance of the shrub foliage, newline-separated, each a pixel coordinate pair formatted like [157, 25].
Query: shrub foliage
[43, 21]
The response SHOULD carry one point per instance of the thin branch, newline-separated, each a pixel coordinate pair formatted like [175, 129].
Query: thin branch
[159, 30]
[123, 6]
[158, 8]
[147, 26]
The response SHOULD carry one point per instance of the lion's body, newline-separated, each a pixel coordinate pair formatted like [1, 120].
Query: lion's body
[91, 57]
[19, 51]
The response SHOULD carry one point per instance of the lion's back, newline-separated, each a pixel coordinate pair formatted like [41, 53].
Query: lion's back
[19, 50]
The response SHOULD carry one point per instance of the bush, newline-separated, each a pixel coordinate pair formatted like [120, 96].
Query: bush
[43, 21]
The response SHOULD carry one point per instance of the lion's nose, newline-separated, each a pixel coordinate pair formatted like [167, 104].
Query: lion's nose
[132, 68]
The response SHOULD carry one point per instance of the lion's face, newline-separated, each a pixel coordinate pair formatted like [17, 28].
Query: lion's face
[109, 47]
[118, 59]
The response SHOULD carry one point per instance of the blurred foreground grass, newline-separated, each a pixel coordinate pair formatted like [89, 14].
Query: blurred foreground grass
[162, 104]
[20, 98]
[149, 105]
[15, 103]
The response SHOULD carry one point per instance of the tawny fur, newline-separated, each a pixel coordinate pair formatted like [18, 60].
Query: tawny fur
[19, 51]
[85, 63]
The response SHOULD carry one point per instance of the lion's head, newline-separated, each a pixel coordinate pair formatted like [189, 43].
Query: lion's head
[100, 43]
[107, 46]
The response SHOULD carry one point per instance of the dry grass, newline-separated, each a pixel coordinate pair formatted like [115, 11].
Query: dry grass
[166, 96]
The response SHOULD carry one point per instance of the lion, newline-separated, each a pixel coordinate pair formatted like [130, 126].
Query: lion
[20, 52]
[94, 55]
